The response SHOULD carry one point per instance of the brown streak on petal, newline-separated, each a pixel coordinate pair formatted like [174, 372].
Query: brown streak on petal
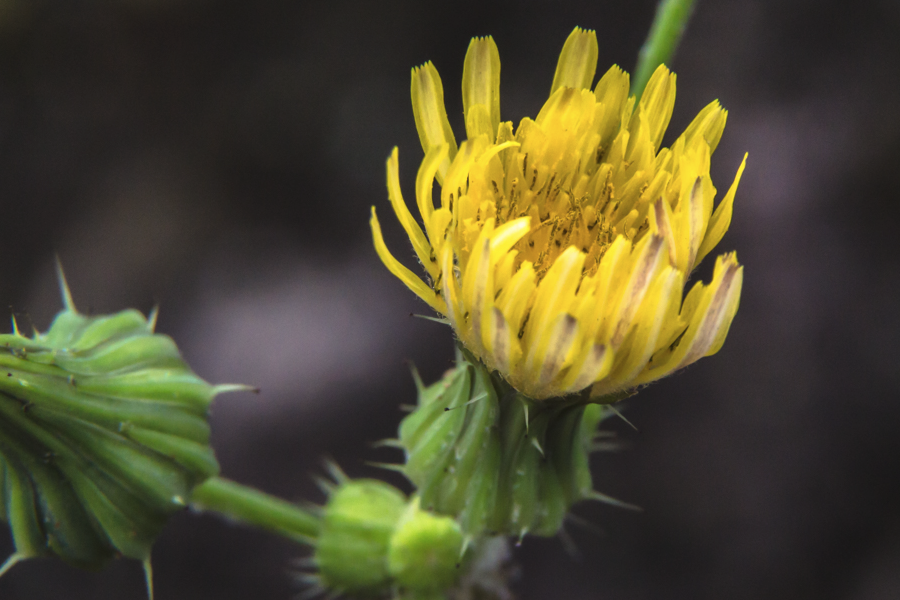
[665, 228]
[696, 221]
[500, 340]
[637, 290]
[711, 321]
[559, 346]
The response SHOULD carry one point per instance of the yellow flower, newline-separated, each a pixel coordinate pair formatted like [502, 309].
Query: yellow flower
[560, 252]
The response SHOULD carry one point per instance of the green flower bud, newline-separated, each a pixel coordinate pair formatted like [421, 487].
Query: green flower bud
[496, 460]
[425, 550]
[103, 436]
[374, 543]
[358, 522]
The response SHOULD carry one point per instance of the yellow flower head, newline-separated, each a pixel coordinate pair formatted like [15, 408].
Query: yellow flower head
[560, 251]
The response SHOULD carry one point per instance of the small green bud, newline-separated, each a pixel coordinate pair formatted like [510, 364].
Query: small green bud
[373, 542]
[425, 550]
[103, 436]
[359, 520]
[497, 461]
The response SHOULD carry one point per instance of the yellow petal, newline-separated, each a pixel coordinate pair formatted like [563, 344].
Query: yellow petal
[419, 242]
[555, 293]
[478, 122]
[721, 219]
[434, 158]
[455, 183]
[500, 341]
[402, 273]
[607, 283]
[612, 91]
[504, 269]
[549, 351]
[661, 224]
[508, 235]
[700, 207]
[437, 226]
[481, 83]
[709, 310]
[430, 113]
[477, 292]
[719, 324]
[657, 103]
[709, 123]
[591, 365]
[517, 296]
[649, 252]
[650, 324]
[577, 61]
[450, 285]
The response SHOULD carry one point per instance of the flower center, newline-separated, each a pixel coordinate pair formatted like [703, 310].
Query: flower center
[562, 177]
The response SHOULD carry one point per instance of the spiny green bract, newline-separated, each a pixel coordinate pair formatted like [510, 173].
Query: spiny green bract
[498, 462]
[103, 435]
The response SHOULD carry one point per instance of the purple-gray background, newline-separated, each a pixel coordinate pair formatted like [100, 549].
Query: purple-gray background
[220, 159]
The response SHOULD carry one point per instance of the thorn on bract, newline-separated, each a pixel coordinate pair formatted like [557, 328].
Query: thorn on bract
[224, 388]
[10, 563]
[335, 471]
[601, 497]
[148, 576]
[621, 416]
[64, 287]
[397, 468]
[467, 541]
[569, 544]
[151, 319]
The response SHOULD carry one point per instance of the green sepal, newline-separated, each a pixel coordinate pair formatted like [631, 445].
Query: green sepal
[103, 436]
[499, 462]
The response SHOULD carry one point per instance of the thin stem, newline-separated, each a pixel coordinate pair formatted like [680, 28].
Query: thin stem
[665, 33]
[248, 505]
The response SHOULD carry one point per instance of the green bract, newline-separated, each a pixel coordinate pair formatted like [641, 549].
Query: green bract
[103, 435]
[499, 462]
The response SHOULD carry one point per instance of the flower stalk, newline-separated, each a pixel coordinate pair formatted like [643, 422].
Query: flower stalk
[253, 507]
[665, 34]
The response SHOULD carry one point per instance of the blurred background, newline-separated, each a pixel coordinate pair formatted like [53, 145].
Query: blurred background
[219, 158]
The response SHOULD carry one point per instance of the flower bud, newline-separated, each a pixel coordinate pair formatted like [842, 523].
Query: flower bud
[374, 542]
[357, 525]
[103, 436]
[425, 549]
[497, 461]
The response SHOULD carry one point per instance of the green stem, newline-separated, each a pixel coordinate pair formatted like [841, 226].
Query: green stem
[665, 33]
[248, 505]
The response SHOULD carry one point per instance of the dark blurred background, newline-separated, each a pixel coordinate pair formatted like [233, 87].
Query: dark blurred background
[220, 158]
